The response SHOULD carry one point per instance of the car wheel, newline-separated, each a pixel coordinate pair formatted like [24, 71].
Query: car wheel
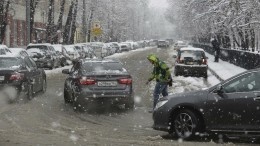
[67, 99]
[205, 76]
[129, 106]
[30, 92]
[176, 73]
[185, 124]
[44, 85]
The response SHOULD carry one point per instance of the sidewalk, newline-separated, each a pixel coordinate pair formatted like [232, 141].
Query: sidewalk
[222, 69]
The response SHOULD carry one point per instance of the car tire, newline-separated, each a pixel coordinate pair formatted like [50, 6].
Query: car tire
[67, 99]
[205, 76]
[185, 124]
[44, 85]
[129, 106]
[176, 73]
[30, 92]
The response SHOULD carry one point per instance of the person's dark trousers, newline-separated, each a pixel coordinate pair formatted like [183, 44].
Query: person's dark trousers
[217, 56]
[160, 88]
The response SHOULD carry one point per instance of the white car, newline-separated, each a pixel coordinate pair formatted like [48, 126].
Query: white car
[72, 52]
[19, 51]
[4, 50]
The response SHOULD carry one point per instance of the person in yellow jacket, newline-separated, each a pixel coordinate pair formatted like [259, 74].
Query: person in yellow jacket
[161, 73]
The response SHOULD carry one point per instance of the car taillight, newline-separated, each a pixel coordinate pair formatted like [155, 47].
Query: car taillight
[204, 61]
[87, 81]
[127, 81]
[16, 76]
[180, 61]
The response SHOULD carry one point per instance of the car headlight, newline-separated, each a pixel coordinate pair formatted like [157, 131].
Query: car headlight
[160, 104]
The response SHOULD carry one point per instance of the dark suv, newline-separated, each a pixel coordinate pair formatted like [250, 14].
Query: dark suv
[44, 55]
[22, 75]
[93, 83]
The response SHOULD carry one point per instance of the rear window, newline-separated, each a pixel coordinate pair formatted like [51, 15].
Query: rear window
[196, 55]
[102, 66]
[10, 62]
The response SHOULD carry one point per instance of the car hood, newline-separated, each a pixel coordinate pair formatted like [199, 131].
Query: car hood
[195, 97]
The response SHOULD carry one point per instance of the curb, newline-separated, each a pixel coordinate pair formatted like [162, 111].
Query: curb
[215, 74]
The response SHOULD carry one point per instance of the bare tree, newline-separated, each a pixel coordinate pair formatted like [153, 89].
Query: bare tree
[4, 8]
[33, 6]
[50, 25]
[68, 26]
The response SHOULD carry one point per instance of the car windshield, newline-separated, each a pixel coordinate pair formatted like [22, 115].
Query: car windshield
[11, 62]
[69, 48]
[103, 67]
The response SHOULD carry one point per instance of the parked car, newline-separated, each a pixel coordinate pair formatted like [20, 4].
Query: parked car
[98, 81]
[191, 62]
[89, 51]
[19, 51]
[72, 52]
[61, 53]
[44, 55]
[125, 47]
[108, 49]
[81, 50]
[180, 44]
[117, 47]
[230, 107]
[162, 43]
[21, 74]
[4, 50]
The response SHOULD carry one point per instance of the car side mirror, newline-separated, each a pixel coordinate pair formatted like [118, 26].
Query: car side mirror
[219, 89]
[66, 71]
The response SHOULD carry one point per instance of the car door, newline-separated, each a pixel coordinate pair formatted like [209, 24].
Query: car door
[32, 74]
[70, 83]
[38, 75]
[230, 109]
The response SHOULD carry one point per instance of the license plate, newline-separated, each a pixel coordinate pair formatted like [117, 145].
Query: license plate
[190, 63]
[107, 84]
[2, 78]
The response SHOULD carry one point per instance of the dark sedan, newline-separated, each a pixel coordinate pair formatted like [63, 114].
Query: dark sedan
[191, 62]
[93, 83]
[22, 75]
[231, 107]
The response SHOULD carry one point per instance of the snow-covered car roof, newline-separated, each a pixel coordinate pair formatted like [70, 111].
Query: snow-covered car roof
[8, 55]
[42, 44]
[57, 47]
[17, 51]
[191, 48]
[3, 46]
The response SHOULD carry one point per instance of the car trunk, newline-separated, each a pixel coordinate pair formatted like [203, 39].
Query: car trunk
[109, 82]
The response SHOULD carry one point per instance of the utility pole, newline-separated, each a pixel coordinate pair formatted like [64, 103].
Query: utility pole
[28, 21]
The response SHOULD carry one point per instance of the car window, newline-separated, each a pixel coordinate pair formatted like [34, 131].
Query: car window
[10, 62]
[245, 83]
[193, 54]
[102, 66]
[43, 48]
